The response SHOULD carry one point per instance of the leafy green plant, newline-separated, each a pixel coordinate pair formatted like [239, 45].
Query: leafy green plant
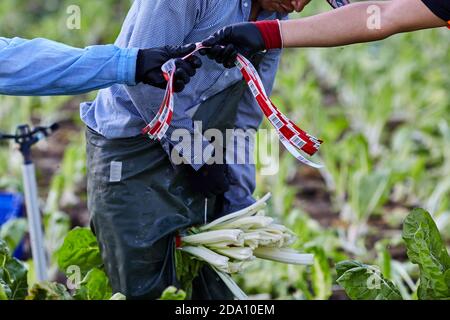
[365, 282]
[49, 291]
[172, 293]
[321, 275]
[13, 275]
[80, 250]
[187, 268]
[95, 286]
[425, 247]
[13, 231]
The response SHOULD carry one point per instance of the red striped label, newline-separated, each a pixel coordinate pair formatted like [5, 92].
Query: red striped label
[292, 137]
[178, 241]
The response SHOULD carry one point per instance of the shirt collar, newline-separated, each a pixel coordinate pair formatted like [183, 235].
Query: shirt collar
[246, 6]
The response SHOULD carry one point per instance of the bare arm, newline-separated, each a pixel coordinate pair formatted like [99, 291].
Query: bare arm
[357, 23]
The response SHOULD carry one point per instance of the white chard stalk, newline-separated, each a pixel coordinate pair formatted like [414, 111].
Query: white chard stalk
[283, 255]
[235, 267]
[242, 254]
[234, 288]
[210, 257]
[249, 211]
[222, 245]
[219, 236]
[227, 243]
[246, 223]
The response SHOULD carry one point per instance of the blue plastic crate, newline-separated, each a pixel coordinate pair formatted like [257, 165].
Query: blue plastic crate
[11, 207]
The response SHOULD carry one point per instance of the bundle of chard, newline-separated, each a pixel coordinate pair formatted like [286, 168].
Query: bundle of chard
[226, 244]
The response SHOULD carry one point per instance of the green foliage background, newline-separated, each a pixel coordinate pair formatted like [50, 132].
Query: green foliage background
[383, 110]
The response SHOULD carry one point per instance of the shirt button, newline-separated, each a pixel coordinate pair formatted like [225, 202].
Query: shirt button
[245, 4]
[204, 99]
[226, 74]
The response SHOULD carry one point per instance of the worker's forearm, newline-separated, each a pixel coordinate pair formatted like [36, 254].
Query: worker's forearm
[44, 67]
[359, 22]
[343, 26]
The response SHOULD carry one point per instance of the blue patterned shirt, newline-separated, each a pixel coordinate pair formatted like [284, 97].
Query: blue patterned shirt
[122, 111]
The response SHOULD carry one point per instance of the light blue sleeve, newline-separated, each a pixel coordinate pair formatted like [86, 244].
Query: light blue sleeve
[43, 67]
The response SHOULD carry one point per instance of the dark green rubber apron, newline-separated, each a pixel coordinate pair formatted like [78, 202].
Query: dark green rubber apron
[138, 201]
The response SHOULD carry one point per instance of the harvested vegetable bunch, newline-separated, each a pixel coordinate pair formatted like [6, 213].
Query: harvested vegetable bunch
[228, 242]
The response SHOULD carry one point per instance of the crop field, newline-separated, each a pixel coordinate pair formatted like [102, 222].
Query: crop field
[383, 110]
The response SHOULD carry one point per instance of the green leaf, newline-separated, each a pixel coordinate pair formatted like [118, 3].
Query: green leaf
[302, 283]
[95, 286]
[346, 265]
[13, 231]
[48, 291]
[13, 274]
[364, 282]
[187, 269]
[4, 250]
[57, 225]
[321, 274]
[18, 282]
[368, 191]
[31, 273]
[426, 248]
[5, 290]
[447, 277]
[80, 249]
[172, 293]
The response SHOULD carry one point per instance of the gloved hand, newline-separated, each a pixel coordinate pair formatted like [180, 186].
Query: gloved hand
[211, 180]
[247, 38]
[150, 61]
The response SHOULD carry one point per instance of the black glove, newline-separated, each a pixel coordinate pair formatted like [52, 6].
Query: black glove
[150, 61]
[244, 38]
[211, 180]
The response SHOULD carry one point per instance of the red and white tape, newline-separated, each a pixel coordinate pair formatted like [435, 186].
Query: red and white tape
[291, 136]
